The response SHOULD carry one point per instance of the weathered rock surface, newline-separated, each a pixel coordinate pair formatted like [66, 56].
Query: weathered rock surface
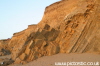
[4, 50]
[5, 62]
[68, 26]
[4, 43]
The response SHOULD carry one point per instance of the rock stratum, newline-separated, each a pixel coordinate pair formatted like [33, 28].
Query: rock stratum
[68, 26]
[4, 50]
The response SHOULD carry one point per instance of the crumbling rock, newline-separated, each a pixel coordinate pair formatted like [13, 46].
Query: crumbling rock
[5, 62]
[68, 26]
[4, 50]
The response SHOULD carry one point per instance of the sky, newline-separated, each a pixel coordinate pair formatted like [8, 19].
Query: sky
[16, 15]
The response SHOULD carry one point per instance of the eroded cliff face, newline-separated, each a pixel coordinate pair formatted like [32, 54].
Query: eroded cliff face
[68, 26]
[4, 50]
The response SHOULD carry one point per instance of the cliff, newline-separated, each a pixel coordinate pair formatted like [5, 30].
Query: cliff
[4, 50]
[68, 26]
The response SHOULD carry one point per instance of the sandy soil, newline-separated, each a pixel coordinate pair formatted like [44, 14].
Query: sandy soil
[50, 60]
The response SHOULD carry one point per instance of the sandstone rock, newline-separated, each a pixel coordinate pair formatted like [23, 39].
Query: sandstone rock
[23, 56]
[4, 52]
[4, 44]
[27, 51]
[17, 61]
[68, 26]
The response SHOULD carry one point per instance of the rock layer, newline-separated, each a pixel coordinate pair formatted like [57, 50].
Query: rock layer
[68, 26]
[4, 50]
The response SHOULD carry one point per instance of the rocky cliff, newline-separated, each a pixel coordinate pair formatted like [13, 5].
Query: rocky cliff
[4, 50]
[68, 26]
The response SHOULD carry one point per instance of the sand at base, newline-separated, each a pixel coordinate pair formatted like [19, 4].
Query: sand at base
[50, 60]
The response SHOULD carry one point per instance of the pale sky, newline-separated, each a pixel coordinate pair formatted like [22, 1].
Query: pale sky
[16, 15]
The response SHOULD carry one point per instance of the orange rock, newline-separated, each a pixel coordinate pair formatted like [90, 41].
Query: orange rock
[60, 31]
[23, 56]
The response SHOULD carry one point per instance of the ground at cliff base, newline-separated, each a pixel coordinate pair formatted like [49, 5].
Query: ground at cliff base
[50, 60]
[5, 60]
